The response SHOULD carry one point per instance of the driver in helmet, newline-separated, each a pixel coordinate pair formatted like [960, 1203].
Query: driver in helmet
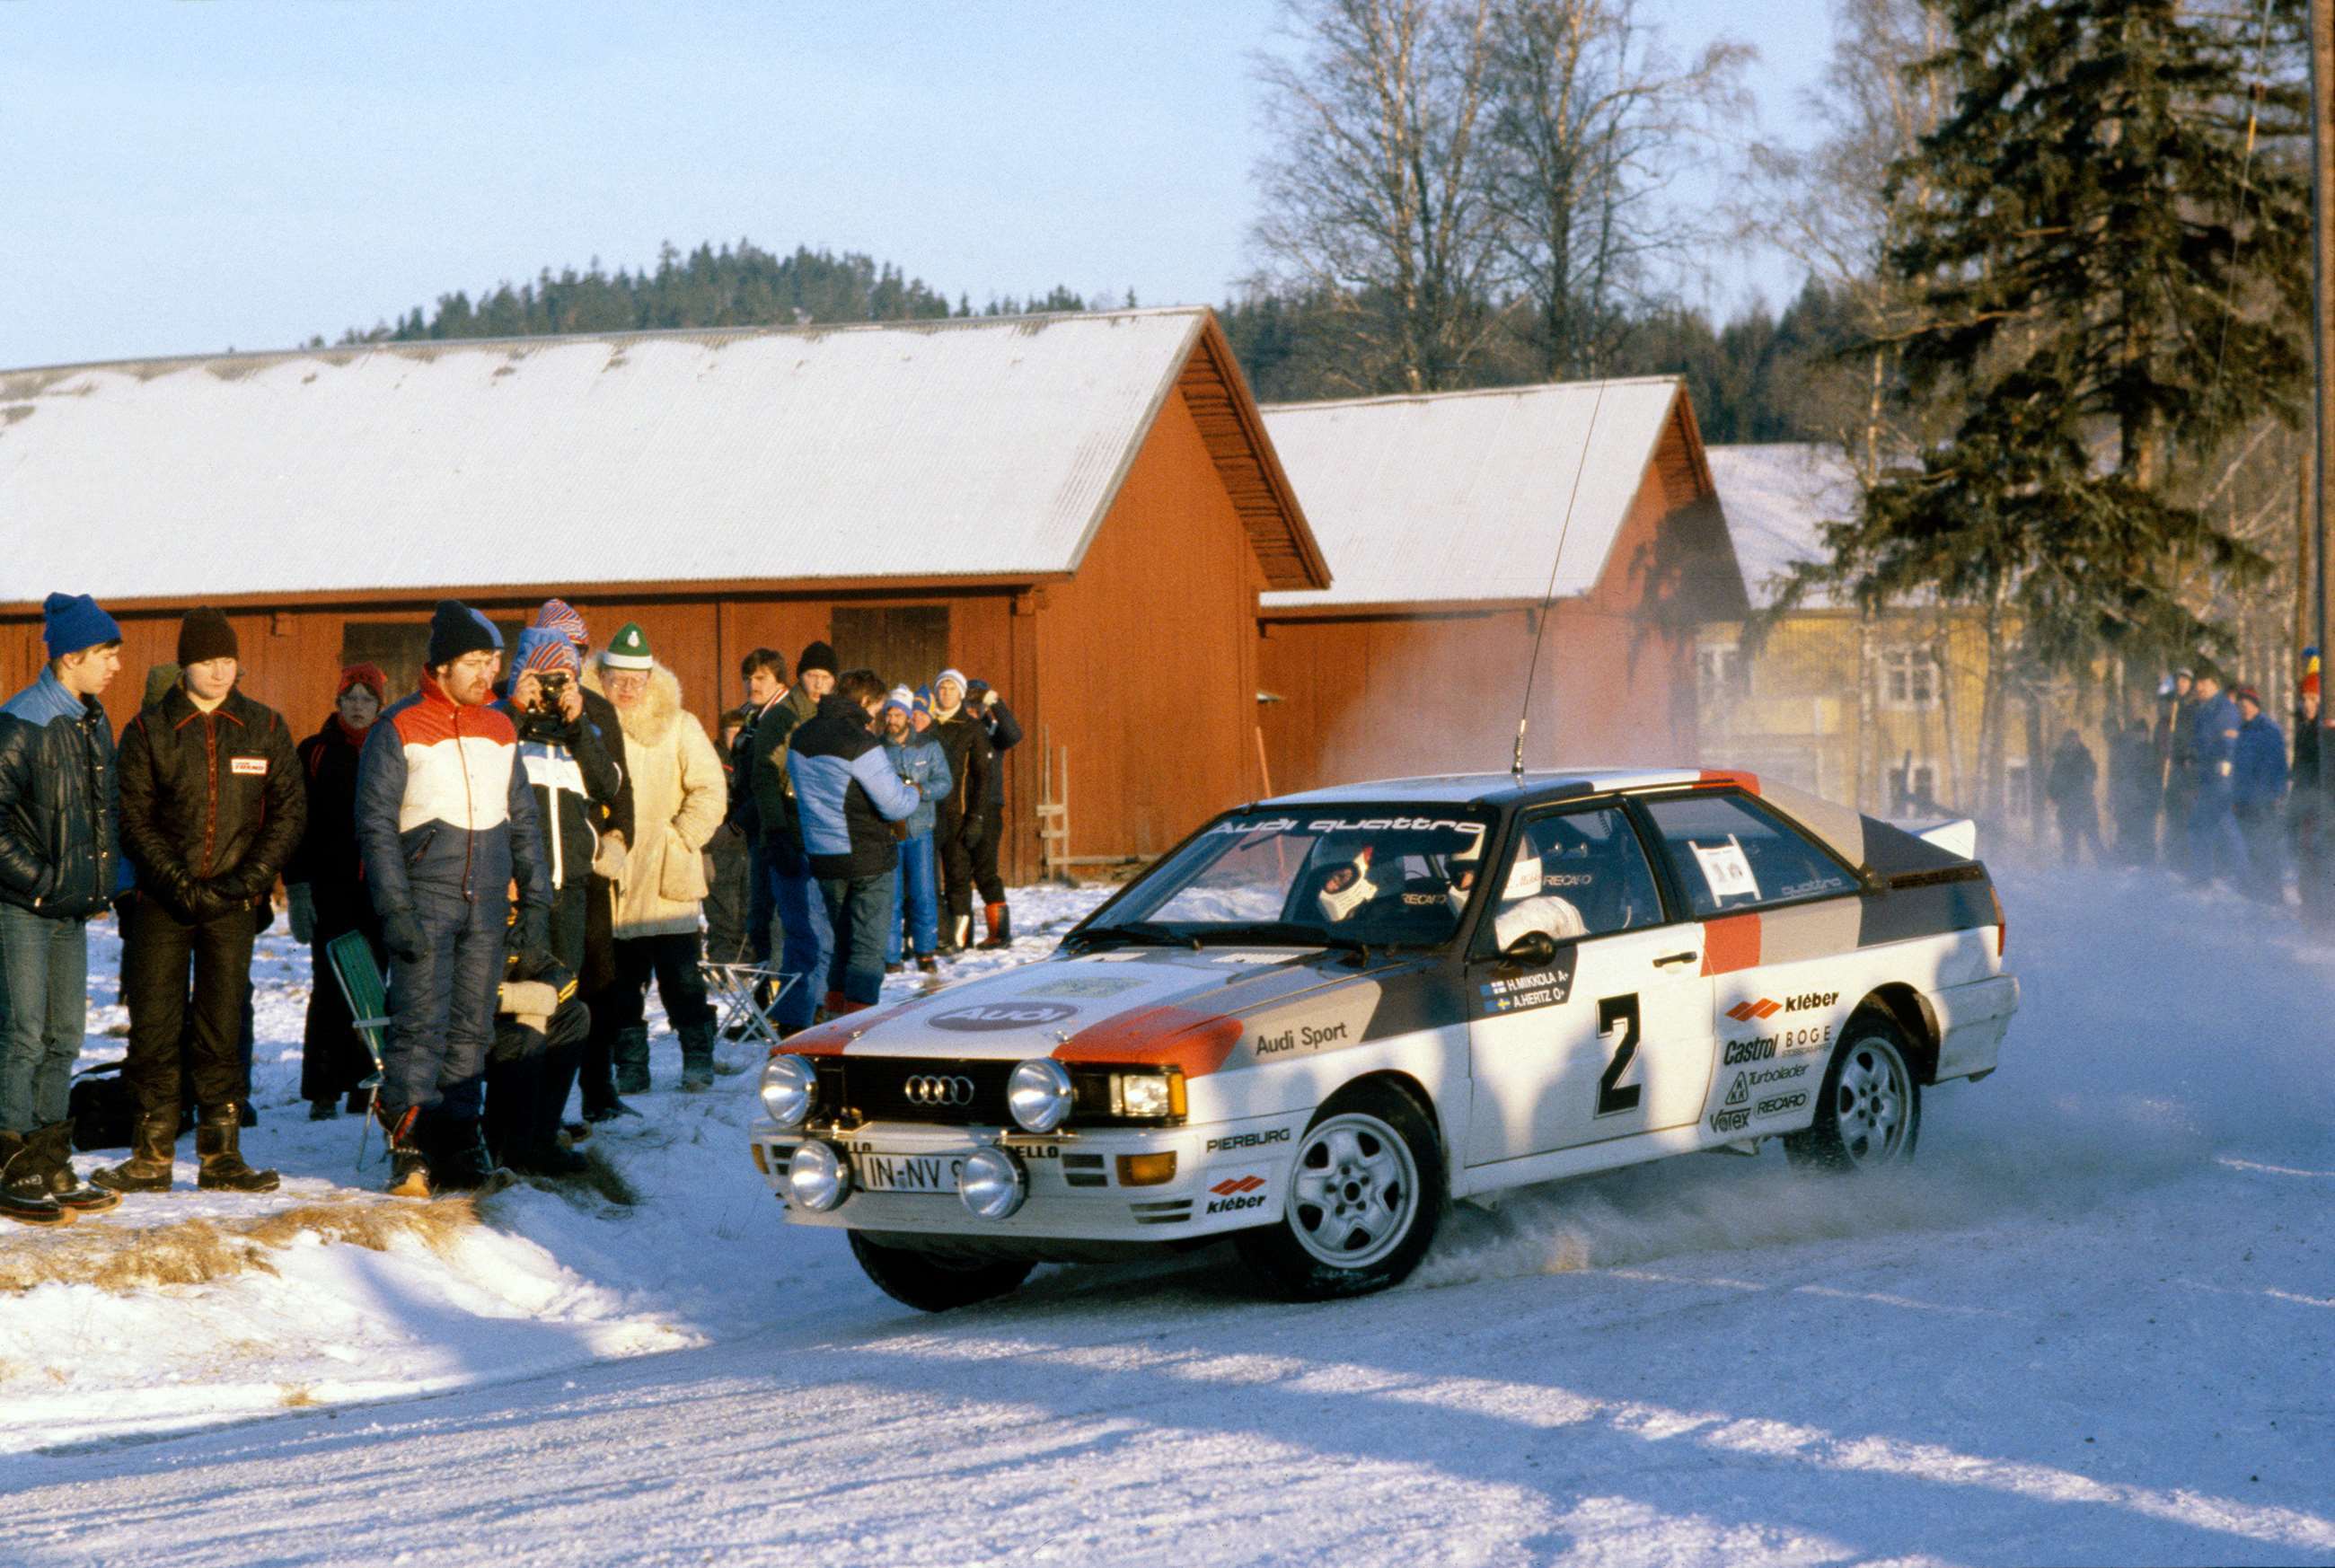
[1524, 907]
[1347, 887]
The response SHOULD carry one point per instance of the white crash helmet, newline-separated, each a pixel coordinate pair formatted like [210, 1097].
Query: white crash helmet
[1342, 902]
[1523, 878]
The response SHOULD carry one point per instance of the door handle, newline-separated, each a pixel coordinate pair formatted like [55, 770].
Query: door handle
[1669, 959]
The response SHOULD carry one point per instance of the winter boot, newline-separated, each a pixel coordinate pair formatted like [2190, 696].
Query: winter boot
[55, 1142]
[465, 1164]
[218, 1144]
[148, 1168]
[409, 1165]
[323, 1109]
[548, 1159]
[956, 935]
[696, 1057]
[927, 964]
[1001, 926]
[632, 1054]
[24, 1185]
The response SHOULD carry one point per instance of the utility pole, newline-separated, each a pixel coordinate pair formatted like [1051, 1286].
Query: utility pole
[2322, 342]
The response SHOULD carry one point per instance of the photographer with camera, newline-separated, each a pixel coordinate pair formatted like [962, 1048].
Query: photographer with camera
[574, 781]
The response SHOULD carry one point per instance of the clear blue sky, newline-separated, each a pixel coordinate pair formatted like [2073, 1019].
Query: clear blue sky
[185, 177]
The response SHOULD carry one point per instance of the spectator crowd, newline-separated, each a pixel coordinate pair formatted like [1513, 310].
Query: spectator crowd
[522, 845]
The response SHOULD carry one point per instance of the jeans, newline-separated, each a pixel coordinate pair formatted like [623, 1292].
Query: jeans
[43, 1012]
[762, 904]
[2215, 845]
[914, 890]
[809, 946]
[154, 960]
[860, 907]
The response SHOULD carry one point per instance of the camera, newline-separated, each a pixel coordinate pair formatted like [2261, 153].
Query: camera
[551, 686]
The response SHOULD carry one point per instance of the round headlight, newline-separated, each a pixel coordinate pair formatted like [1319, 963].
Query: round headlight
[817, 1177]
[1039, 1094]
[790, 1084]
[992, 1182]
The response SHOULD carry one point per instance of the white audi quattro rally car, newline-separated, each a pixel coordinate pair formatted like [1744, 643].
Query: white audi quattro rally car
[1322, 1017]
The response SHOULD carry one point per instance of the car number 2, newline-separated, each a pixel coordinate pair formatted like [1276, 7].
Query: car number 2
[1618, 1012]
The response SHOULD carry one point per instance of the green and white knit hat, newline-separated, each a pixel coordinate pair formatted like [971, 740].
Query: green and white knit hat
[630, 651]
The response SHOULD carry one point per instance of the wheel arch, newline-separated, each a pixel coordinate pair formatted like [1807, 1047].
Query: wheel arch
[1915, 1019]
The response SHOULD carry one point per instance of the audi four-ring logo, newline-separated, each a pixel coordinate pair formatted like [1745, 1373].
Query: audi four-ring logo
[929, 1089]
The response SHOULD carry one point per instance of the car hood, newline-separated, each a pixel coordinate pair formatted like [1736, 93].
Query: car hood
[1200, 1011]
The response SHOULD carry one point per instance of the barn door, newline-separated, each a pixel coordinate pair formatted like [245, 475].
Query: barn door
[908, 645]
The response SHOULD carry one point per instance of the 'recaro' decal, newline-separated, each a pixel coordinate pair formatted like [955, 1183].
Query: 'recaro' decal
[1781, 1103]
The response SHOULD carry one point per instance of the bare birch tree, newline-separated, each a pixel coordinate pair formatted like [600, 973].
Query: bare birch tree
[1592, 117]
[1371, 196]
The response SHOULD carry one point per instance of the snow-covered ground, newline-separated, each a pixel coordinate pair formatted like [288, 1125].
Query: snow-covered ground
[2093, 1324]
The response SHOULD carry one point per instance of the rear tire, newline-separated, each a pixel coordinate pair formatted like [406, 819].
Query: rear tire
[1364, 1196]
[933, 1283]
[1869, 1113]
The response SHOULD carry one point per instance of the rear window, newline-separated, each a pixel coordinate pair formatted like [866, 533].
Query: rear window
[1730, 855]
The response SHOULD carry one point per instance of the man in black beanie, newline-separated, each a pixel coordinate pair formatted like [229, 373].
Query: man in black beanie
[212, 806]
[447, 824]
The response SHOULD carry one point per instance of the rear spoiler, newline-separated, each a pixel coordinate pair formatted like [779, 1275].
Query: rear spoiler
[1959, 837]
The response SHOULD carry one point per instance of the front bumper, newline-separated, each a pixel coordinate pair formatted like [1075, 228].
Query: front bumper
[1228, 1177]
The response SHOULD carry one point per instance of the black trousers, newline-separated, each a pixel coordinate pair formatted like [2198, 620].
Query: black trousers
[967, 871]
[333, 1059]
[595, 978]
[154, 960]
[528, 1075]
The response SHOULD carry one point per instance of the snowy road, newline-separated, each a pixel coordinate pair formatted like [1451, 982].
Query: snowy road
[2092, 1324]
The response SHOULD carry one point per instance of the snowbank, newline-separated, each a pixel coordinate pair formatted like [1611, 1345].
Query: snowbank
[189, 1308]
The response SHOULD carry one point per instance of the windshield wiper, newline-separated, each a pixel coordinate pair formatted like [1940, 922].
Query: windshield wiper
[1290, 933]
[1134, 934]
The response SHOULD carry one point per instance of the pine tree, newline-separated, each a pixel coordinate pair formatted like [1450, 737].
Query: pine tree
[2113, 281]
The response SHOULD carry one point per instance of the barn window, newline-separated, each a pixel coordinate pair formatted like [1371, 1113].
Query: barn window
[400, 646]
[908, 645]
[1718, 671]
[1909, 678]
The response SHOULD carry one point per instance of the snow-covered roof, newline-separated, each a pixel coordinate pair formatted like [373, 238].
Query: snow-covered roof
[983, 448]
[1463, 496]
[1776, 499]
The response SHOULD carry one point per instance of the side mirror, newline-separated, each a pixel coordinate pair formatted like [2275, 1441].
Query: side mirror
[1530, 950]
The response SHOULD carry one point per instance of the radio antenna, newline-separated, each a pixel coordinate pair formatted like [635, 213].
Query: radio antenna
[1548, 596]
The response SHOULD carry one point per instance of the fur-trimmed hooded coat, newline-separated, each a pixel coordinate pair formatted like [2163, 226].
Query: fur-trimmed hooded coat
[679, 798]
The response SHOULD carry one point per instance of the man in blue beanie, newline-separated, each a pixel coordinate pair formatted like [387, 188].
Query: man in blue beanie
[60, 862]
[447, 824]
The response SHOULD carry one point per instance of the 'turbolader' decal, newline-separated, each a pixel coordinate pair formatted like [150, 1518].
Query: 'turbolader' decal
[982, 1018]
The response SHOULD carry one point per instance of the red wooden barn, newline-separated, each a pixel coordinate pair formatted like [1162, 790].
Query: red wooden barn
[1449, 521]
[1080, 509]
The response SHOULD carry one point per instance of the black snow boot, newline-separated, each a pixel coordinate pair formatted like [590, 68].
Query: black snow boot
[631, 1052]
[409, 1164]
[148, 1169]
[24, 1185]
[927, 964]
[218, 1138]
[464, 1162]
[55, 1143]
[1001, 926]
[696, 1057]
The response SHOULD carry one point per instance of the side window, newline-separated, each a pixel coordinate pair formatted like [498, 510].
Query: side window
[1573, 874]
[1730, 855]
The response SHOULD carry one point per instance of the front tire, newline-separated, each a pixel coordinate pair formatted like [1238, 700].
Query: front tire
[1365, 1194]
[1869, 1113]
[932, 1283]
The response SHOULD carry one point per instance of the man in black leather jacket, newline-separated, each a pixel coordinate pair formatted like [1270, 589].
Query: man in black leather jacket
[213, 806]
[60, 861]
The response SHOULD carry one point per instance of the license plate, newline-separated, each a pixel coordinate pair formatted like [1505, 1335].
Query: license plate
[907, 1173]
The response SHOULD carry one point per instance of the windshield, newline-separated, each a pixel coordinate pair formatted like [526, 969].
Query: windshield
[1352, 877]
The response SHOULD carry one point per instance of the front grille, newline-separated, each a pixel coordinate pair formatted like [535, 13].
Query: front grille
[878, 1089]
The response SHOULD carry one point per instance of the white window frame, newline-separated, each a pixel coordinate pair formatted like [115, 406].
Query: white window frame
[1912, 666]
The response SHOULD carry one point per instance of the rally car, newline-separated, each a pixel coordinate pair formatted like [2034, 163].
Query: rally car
[1322, 1018]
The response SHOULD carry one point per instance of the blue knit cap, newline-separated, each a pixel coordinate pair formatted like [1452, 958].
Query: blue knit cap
[72, 621]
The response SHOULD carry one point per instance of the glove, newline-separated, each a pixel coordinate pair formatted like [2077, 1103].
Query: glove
[401, 935]
[301, 904]
[969, 835]
[533, 939]
[609, 859]
[210, 898]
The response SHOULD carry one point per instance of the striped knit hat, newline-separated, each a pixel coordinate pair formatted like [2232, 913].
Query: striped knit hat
[559, 615]
[544, 649]
[903, 699]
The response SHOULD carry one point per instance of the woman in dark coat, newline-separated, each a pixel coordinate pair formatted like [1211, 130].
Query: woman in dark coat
[324, 884]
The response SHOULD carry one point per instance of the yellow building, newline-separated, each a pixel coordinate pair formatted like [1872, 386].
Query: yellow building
[1884, 714]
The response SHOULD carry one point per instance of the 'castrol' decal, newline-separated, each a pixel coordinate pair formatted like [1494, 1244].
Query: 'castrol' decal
[981, 1018]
